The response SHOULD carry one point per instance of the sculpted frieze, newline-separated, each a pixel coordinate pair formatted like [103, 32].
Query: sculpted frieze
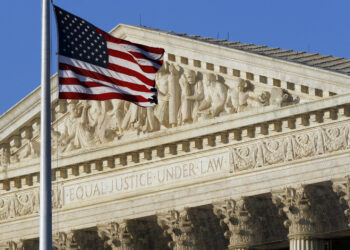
[4, 154]
[185, 96]
[26, 203]
[299, 145]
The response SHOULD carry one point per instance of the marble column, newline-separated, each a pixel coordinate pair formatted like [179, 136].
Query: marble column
[241, 226]
[306, 243]
[179, 224]
[303, 219]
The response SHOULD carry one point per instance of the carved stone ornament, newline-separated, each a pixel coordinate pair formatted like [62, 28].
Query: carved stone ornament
[26, 203]
[64, 241]
[342, 188]
[179, 225]
[71, 240]
[4, 154]
[303, 216]
[242, 228]
[20, 244]
[15, 245]
[291, 147]
[125, 235]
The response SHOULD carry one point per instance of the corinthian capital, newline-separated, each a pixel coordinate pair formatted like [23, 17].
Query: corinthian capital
[342, 188]
[124, 235]
[299, 207]
[64, 241]
[15, 245]
[179, 225]
[242, 228]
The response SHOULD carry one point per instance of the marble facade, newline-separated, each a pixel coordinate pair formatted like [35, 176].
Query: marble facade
[243, 151]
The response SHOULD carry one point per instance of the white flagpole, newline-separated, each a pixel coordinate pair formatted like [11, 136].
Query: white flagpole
[45, 147]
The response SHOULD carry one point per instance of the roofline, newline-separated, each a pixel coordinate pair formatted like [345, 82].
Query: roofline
[121, 26]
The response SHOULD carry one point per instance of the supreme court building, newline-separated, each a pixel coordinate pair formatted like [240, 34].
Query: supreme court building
[248, 148]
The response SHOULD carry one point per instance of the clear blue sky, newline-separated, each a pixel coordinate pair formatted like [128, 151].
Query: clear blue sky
[307, 25]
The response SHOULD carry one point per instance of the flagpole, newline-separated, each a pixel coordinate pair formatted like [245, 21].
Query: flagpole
[45, 146]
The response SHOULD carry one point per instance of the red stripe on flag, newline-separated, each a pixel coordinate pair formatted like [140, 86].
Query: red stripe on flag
[130, 72]
[102, 97]
[75, 81]
[98, 76]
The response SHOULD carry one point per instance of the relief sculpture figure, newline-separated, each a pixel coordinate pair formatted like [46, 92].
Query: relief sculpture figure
[187, 79]
[219, 94]
[197, 98]
[150, 124]
[281, 97]
[85, 129]
[130, 117]
[135, 117]
[242, 96]
[215, 94]
[207, 100]
[4, 155]
[31, 149]
[161, 111]
[174, 93]
[101, 119]
[68, 134]
[77, 132]
[117, 114]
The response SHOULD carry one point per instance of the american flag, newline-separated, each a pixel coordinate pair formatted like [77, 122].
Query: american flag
[93, 65]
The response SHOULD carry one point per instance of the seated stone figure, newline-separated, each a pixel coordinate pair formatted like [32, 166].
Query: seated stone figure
[215, 94]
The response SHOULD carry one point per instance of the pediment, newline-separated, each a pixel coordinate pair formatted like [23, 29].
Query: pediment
[200, 85]
[299, 72]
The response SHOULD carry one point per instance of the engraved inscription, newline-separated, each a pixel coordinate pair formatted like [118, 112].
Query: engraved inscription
[137, 180]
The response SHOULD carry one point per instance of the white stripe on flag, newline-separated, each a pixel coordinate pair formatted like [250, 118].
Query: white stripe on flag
[94, 90]
[110, 86]
[131, 65]
[144, 62]
[101, 70]
[134, 48]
